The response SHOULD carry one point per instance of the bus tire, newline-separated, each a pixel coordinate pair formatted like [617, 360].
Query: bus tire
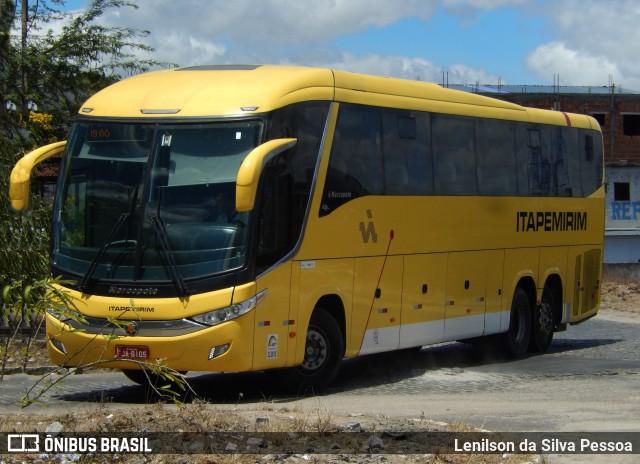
[146, 378]
[517, 337]
[140, 376]
[324, 349]
[542, 325]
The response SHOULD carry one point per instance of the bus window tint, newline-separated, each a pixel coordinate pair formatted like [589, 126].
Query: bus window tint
[568, 162]
[288, 178]
[561, 185]
[496, 157]
[590, 161]
[454, 153]
[407, 154]
[527, 141]
[355, 163]
[540, 159]
[305, 122]
[439, 154]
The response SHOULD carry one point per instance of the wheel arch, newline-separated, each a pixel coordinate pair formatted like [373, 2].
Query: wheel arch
[529, 286]
[554, 283]
[333, 304]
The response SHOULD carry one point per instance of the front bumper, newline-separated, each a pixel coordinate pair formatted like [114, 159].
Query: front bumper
[185, 347]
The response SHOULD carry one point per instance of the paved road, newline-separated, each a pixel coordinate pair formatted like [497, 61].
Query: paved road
[589, 381]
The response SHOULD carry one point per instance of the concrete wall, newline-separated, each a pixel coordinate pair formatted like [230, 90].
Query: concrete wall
[621, 273]
[622, 216]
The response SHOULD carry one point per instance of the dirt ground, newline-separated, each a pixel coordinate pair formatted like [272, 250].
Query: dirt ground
[621, 297]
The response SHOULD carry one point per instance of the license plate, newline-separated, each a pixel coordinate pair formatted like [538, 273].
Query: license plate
[132, 352]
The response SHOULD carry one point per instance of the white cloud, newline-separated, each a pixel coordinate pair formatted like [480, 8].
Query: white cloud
[589, 40]
[395, 66]
[407, 68]
[592, 39]
[481, 4]
[267, 22]
[574, 67]
[595, 39]
[183, 48]
[193, 32]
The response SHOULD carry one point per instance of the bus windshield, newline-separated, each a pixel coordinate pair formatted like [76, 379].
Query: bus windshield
[152, 202]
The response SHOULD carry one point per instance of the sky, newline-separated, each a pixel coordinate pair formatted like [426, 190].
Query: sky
[578, 42]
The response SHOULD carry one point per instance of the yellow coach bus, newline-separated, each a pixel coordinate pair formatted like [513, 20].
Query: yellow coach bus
[240, 218]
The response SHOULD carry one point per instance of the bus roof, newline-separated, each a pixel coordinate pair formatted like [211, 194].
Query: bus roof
[216, 91]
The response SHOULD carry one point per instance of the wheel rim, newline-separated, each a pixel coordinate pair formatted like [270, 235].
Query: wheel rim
[545, 318]
[316, 350]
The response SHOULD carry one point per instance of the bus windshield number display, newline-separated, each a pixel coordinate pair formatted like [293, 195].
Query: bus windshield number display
[99, 133]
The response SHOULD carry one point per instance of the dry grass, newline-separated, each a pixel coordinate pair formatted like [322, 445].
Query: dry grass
[283, 427]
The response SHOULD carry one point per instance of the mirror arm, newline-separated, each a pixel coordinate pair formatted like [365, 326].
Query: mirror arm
[20, 179]
[252, 166]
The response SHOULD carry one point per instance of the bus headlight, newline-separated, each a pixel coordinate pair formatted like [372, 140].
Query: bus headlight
[64, 315]
[229, 313]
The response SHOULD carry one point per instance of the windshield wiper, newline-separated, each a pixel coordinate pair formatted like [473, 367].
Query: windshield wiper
[84, 284]
[124, 217]
[169, 258]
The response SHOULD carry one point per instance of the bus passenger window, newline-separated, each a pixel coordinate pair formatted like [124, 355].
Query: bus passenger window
[590, 162]
[496, 157]
[406, 152]
[567, 162]
[536, 155]
[455, 155]
[355, 163]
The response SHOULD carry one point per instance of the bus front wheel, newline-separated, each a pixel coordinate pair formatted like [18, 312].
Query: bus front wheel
[519, 333]
[324, 348]
[150, 380]
[139, 376]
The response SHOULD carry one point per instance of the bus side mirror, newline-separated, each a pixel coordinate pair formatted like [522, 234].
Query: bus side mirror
[20, 179]
[251, 167]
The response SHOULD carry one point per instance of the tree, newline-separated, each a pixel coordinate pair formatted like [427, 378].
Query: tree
[44, 78]
[56, 71]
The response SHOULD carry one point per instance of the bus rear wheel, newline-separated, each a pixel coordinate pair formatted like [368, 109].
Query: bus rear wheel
[517, 337]
[543, 323]
[324, 348]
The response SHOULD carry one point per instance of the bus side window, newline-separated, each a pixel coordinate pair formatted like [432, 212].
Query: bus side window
[523, 148]
[276, 237]
[406, 152]
[306, 122]
[568, 170]
[590, 161]
[288, 179]
[455, 154]
[496, 157]
[538, 165]
[355, 163]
